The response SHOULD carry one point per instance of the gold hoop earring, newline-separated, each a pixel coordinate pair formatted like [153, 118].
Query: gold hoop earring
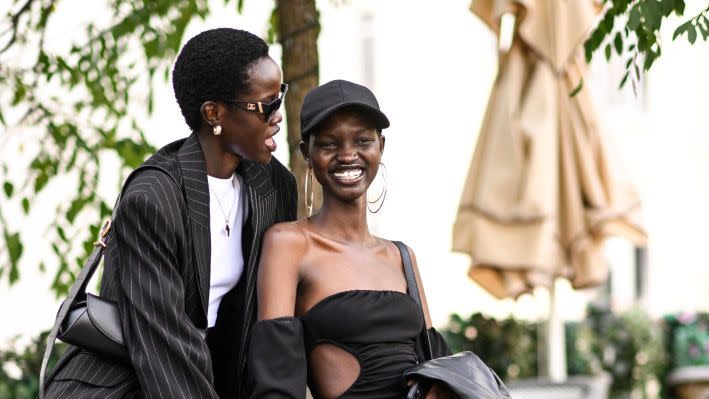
[217, 130]
[308, 195]
[383, 195]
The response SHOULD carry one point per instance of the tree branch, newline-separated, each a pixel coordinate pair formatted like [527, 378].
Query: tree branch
[15, 24]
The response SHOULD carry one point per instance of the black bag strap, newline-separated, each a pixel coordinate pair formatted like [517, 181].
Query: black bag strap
[82, 280]
[414, 292]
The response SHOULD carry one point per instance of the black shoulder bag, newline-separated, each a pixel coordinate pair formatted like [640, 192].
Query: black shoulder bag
[464, 373]
[88, 321]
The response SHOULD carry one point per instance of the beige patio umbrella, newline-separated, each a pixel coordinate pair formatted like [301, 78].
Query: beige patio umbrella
[540, 195]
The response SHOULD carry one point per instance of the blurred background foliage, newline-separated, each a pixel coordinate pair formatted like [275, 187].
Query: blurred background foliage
[688, 339]
[19, 374]
[635, 350]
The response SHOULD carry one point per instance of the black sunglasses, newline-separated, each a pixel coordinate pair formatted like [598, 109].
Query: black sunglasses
[267, 109]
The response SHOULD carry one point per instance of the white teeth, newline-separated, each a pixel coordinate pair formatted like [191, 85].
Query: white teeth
[349, 174]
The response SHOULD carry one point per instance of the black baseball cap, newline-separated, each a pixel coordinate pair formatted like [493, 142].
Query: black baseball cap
[323, 100]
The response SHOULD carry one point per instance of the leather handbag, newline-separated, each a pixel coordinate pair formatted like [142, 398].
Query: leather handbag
[464, 373]
[87, 321]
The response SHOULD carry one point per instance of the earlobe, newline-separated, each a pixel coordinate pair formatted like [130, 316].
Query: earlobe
[382, 141]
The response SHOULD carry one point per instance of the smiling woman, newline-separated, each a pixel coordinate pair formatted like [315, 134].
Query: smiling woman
[332, 297]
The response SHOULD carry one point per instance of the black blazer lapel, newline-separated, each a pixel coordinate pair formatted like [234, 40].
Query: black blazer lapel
[262, 207]
[194, 176]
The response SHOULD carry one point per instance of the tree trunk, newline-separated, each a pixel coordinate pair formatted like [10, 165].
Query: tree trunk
[298, 29]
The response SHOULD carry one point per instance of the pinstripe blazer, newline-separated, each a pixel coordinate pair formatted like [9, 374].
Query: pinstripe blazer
[157, 268]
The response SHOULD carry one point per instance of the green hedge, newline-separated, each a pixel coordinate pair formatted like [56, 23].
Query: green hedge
[629, 346]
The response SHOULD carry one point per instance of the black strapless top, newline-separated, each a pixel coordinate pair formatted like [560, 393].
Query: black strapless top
[379, 328]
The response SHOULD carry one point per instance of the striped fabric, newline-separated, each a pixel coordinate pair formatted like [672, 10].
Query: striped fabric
[157, 269]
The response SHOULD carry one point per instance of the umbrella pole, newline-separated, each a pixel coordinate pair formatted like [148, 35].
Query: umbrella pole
[555, 340]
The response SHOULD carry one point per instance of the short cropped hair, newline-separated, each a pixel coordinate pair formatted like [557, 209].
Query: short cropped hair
[214, 66]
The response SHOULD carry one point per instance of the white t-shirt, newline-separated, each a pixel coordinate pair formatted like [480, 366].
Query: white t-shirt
[227, 207]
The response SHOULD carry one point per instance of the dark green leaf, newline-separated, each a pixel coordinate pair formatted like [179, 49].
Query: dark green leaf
[704, 31]
[76, 206]
[26, 205]
[132, 153]
[40, 181]
[14, 248]
[20, 92]
[691, 34]
[104, 210]
[62, 234]
[94, 230]
[634, 18]
[651, 13]
[608, 51]
[240, 6]
[643, 44]
[618, 43]
[607, 23]
[9, 189]
[649, 59]
[588, 51]
[679, 7]
[681, 29]
[577, 89]
[14, 272]
[667, 6]
[272, 34]
[150, 98]
[56, 249]
[72, 160]
[625, 79]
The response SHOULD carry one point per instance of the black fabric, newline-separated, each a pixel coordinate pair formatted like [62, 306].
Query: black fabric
[377, 327]
[157, 270]
[323, 100]
[88, 370]
[276, 362]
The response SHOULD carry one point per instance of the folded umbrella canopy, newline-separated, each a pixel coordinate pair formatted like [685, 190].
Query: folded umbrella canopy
[540, 196]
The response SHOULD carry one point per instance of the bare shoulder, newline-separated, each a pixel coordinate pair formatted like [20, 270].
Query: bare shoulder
[393, 249]
[291, 231]
[287, 235]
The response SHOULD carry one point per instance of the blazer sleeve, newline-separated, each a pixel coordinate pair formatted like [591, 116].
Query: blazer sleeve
[276, 360]
[168, 352]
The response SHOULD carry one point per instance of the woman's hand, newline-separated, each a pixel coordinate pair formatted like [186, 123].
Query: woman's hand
[440, 391]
